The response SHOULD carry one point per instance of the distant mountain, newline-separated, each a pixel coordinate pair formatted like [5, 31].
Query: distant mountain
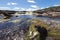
[50, 9]
[49, 12]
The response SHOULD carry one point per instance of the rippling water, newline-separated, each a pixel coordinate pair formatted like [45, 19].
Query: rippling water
[9, 23]
[17, 29]
[23, 18]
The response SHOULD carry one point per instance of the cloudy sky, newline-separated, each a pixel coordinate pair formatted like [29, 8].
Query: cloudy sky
[28, 5]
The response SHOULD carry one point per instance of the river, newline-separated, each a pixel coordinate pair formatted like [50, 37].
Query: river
[15, 27]
[23, 19]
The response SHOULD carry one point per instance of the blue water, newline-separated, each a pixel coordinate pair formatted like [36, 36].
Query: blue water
[9, 24]
[24, 19]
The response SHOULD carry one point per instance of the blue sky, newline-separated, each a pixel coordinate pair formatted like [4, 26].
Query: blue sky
[28, 5]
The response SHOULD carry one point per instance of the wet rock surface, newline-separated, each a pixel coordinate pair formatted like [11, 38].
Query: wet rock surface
[16, 28]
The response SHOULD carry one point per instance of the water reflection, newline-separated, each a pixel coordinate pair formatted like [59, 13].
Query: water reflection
[16, 27]
[23, 19]
[9, 23]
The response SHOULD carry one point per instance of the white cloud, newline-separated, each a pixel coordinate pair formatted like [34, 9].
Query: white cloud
[31, 1]
[16, 8]
[12, 3]
[19, 9]
[5, 8]
[42, 7]
[34, 6]
[8, 8]
[30, 9]
[23, 9]
[56, 5]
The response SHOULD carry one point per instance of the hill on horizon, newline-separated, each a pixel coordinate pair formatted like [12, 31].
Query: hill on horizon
[49, 9]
